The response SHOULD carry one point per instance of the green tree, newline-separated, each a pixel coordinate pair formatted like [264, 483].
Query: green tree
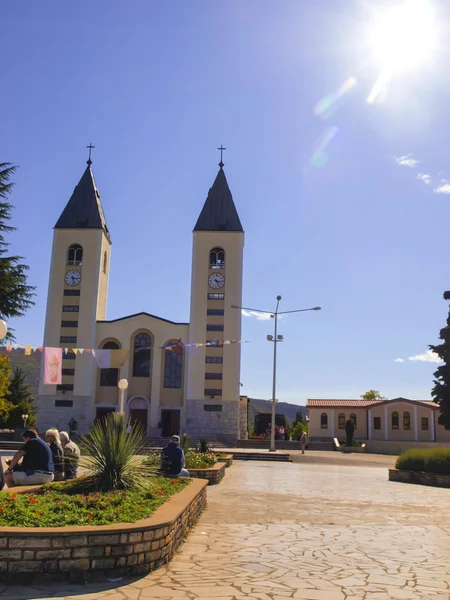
[298, 417]
[349, 431]
[21, 401]
[5, 374]
[297, 430]
[15, 294]
[372, 395]
[441, 388]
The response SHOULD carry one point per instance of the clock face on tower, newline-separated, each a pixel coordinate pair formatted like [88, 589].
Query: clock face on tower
[73, 277]
[216, 280]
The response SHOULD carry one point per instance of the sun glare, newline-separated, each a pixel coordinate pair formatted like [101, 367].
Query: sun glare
[403, 36]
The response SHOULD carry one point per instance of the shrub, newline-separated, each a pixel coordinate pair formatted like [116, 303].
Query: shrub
[109, 454]
[203, 446]
[195, 460]
[297, 431]
[429, 460]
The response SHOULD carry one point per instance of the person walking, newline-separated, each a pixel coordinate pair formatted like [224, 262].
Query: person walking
[71, 455]
[303, 442]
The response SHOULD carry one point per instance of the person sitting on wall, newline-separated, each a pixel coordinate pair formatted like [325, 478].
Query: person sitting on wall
[37, 462]
[172, 459]
[71, 455]
[54, 442]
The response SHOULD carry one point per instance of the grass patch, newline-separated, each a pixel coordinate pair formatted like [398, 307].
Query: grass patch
[56, 505]
[429, 460]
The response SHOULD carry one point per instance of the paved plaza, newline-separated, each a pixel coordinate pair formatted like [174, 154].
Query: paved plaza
[308, 530]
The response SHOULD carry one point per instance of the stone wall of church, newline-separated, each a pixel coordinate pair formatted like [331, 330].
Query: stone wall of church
[221, 423]
[53, 411]
[243, 418]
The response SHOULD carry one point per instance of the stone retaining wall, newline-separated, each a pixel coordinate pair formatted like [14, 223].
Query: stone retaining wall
[214, 474]
[422, 478]
[108, 551]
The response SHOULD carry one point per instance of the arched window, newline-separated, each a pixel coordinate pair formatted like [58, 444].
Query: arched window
[105, 262]
[353, 418]
[341, 421]
[75, 255]
[406, 421]
[109, 377]
[394, 420]
[141, 355]
[173, 367]
[324, 421]
[217, 258]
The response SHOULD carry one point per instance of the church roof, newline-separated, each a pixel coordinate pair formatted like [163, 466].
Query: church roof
[84, 209]
[145, 314]
[219, 212]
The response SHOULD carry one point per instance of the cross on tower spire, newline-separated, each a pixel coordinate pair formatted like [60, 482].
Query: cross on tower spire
[89, 161]
[221, 154]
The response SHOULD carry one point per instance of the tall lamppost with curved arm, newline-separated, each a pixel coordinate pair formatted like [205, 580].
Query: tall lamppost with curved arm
[275, 338]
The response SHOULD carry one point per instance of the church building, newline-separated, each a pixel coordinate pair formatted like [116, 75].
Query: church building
[173, 388]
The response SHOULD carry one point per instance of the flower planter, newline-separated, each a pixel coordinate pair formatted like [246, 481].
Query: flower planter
[227, 459]
[213, 474]
[84, 553]
[420, 477]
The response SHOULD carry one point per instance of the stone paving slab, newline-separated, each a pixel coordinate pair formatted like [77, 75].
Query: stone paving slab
[303, 531]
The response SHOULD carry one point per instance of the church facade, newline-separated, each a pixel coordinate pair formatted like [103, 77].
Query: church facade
[171, 388]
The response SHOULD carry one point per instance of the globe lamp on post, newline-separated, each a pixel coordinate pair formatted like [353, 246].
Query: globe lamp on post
[122, 385]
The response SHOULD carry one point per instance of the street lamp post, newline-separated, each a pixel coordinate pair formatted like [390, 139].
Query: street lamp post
[275, 339]
[25, 419]
[122, 385]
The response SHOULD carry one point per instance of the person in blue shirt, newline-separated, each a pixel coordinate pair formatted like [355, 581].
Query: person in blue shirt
[172, 459]
[37, 462]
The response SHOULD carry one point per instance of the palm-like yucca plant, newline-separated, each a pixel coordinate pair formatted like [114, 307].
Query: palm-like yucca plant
[109, 453]
[203, 446]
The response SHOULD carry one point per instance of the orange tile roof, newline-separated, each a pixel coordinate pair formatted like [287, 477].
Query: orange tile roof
[323, 403]
[346, 403]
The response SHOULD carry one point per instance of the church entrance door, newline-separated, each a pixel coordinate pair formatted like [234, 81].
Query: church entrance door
[138, 416]
[138, 412]
[170, 422]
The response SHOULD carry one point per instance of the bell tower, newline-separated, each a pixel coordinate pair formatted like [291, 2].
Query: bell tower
[77, 295]
[213, 375]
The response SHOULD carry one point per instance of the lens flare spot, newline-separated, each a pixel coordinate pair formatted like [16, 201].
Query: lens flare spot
[380, 89]
[320, 158]
[329, 104]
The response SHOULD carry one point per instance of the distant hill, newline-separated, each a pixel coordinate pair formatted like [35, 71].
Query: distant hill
[31, 366]
[256, 406]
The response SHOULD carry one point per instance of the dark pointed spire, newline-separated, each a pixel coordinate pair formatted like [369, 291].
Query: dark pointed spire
[84, 209]
[219, 212]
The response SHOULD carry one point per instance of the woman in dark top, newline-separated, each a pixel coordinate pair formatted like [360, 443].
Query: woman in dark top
[53, 440]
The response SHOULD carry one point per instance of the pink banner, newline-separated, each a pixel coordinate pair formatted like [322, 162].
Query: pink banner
[52, 366]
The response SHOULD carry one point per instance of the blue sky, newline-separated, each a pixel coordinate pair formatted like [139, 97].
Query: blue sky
[157, 87]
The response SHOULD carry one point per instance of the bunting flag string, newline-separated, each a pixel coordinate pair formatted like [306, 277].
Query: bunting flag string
[28, 349]
[105, 358]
